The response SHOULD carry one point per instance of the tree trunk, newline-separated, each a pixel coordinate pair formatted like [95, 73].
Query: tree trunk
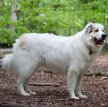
[13, 14]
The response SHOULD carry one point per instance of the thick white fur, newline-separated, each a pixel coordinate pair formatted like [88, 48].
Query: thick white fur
[65, 55]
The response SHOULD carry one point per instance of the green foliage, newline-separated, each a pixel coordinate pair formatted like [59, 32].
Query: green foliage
[62, 17]
[7, 36]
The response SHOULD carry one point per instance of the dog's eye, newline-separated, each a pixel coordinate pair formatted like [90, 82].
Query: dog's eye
[103, 30]
[96, 30]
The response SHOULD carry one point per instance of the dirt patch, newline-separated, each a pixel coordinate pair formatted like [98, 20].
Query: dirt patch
[51, 90]
[101, 64]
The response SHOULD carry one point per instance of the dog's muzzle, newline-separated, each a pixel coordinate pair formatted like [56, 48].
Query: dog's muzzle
[100, 41]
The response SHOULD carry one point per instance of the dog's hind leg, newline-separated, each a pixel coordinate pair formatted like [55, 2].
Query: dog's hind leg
[25, 68]
[20, 87]
[22, 83]
[27, 89]
[71, 83]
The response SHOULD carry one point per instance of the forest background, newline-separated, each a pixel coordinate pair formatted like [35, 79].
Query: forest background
[61, 17]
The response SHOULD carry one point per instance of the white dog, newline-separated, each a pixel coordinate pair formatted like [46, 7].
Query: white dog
[70, 55]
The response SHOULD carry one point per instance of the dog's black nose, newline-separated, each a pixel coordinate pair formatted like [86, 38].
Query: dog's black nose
[104, 36]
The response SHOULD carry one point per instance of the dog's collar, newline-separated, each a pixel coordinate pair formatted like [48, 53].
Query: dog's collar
[90, 51]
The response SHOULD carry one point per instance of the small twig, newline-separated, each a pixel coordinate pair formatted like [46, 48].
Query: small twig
[97, 74]
[44, 84]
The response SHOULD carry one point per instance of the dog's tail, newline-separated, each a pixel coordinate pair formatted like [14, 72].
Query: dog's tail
[7, 63]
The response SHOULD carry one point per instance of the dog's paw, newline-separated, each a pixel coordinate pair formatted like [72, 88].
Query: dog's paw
[83, 96]
[75, 98]
[25, 94]
[32, 93]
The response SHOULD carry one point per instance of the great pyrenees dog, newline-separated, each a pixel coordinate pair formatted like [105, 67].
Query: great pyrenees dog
[66, 55]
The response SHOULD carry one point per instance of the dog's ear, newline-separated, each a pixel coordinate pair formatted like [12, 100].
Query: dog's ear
[89, 28]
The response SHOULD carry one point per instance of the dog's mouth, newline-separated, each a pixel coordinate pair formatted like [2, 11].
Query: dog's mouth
[99, 42]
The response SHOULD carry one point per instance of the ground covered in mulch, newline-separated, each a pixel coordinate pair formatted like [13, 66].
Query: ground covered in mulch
[51, 90]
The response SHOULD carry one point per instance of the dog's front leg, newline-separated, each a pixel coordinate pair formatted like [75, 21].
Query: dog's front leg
[72, 77]
[78, 87]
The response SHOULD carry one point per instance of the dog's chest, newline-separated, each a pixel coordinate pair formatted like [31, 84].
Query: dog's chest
[84, 61]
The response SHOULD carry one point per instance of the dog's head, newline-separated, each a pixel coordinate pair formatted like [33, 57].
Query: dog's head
[95, 33]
